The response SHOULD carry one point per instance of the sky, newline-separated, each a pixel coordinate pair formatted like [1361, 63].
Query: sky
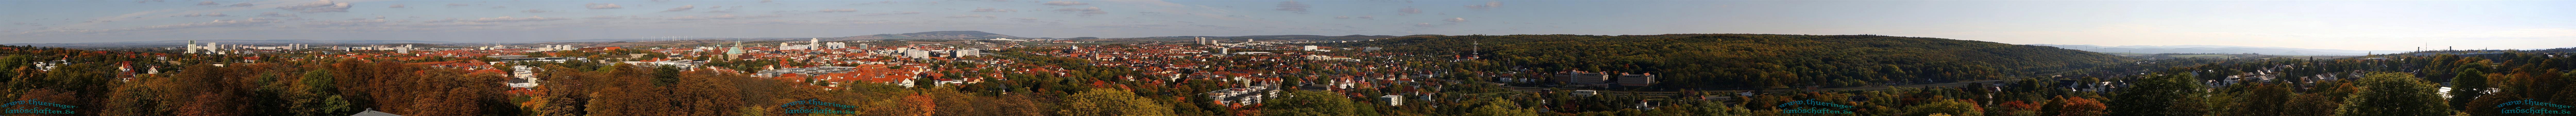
[2351, 25]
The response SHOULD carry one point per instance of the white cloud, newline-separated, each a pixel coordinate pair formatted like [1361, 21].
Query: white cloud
[609, 17]
[717, 17]
[535, 11]
[346, 23]
[1083, 11]
[1454, 20]
[972, 16]
[243, 4]
[318, 6]
[275, 14]
[1487, 5]
[1137, 26]
[891, 13]
[1032, 20]
[207, 3]
[878, 2]
[1065, 3]
[216, 23]
[218, 14]
[682, 8]
[723, 9]
[1408, 11]
[601, 6]
[500, 19]
[1293, 6]
[837, 10]
[994, 10]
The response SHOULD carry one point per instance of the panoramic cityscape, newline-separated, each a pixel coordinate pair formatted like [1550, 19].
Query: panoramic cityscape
[1287, 58]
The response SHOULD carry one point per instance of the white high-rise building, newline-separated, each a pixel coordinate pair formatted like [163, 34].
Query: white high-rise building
[405, 49]
[212, 47]
[786, 46]
[966, 53]
[916, 54]
[192, 46]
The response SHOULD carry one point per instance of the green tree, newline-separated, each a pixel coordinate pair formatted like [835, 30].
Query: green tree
[2470, 84]
[1499, 107]
[1945, 107]
[2263, 100]
[317, 97]
[1309, 103]
[2163, 95]
[1706, 108]
[2310, 105]
[2394, 94]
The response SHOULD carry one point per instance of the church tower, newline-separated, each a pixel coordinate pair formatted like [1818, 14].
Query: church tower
[736, 52]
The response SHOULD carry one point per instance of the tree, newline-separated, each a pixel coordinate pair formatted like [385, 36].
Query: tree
[1111, 102]
[2394, 94]
[2470, 84]
[2263, 100]
[316, 97]
[1309, 103]
[2078, 106]
[1498, 107]
[2163, 95]
[2014, 108]
[1963, 108]
[1706, 108]
[2310, 105]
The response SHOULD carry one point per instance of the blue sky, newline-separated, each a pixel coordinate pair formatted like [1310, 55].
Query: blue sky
[2358, 25]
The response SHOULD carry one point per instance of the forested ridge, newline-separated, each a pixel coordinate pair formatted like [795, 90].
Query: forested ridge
[1758, 60]
[317, 84]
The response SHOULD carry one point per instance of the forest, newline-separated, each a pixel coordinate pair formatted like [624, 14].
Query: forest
[307, 84]
[1757, 61]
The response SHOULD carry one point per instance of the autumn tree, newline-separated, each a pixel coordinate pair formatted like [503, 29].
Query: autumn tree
[2076, 106]
[1111, 102]
[2394, 94]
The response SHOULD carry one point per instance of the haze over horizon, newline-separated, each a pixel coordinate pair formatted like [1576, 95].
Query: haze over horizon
[2350, 25]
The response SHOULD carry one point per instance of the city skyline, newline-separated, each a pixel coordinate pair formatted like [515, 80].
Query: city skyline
[2353, 25]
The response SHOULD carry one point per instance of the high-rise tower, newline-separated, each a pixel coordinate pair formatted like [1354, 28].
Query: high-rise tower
[192, 46]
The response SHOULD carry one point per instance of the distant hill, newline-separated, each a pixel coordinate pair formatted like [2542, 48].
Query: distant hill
[177, 43]
[624, 39]
[1279, 37]
[1756, 60]
[2219, 49]
[929, 35]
